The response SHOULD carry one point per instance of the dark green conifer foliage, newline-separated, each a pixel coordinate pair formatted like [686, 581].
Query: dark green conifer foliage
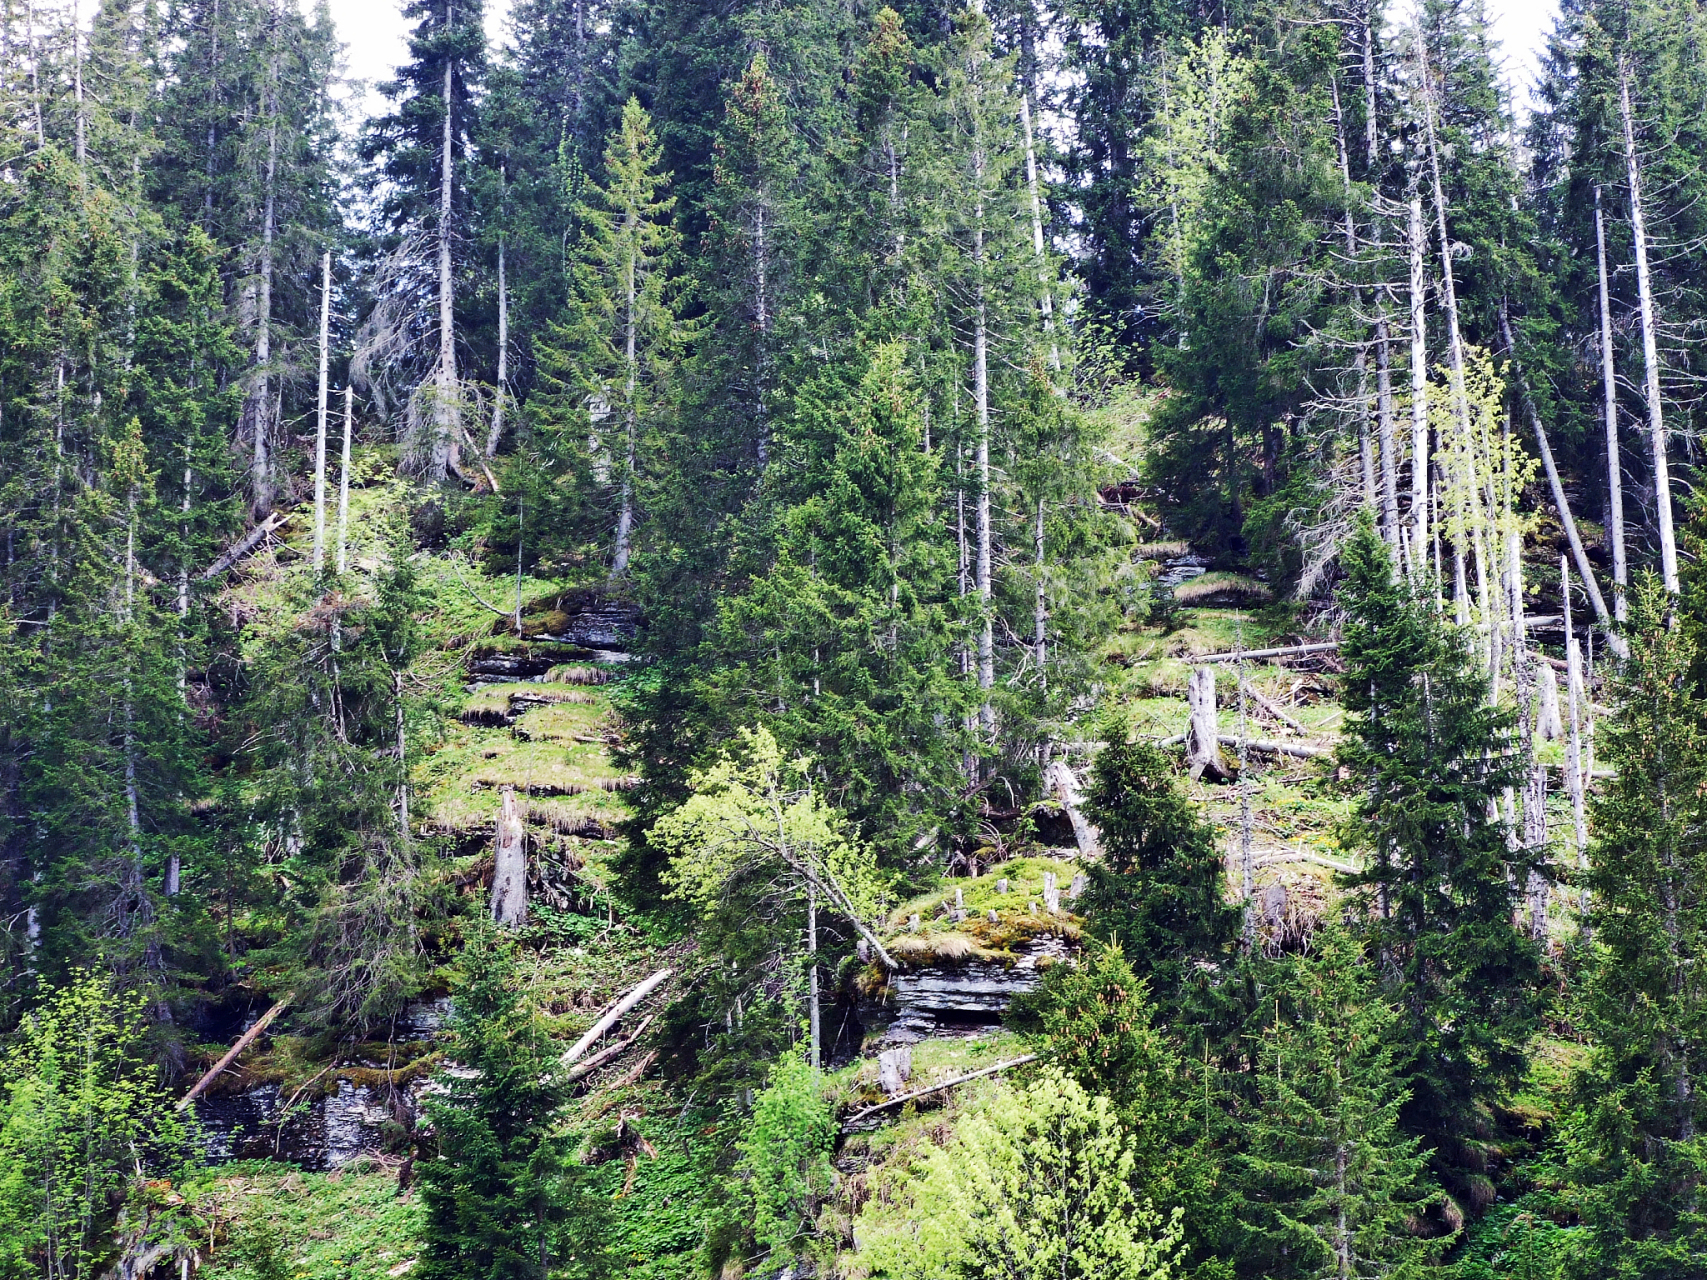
[1426, 754]
[1636, 1140]
[1335, 1185]
[1158, 890]
[491, 1187]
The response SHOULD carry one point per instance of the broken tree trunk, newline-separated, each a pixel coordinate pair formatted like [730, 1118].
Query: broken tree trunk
[231, 1054]
[244, 545]
[581, 1070]
[510, 869]
[1202, 742]
[1059, 779]
[615, 1012]
[1548, 726]
[1609, 398]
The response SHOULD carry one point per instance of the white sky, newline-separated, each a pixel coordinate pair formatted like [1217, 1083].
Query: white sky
[374, 33]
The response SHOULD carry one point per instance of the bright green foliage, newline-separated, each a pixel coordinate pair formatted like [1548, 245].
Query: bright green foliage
[785, 1156]
[1636, 1137]
[82, 1120]
[490, 1189]
[761, 859]
[1337, 1186]
[1158, 892]
[1035, 1183]
[1426, 754]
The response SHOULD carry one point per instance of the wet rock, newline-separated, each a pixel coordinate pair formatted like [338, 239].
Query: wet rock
[960, 999]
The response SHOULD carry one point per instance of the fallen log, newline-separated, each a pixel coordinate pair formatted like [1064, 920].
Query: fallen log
[1272, 708]
[243, 1042]
[610, 1054]
[244, 545]
[1290, 651]
[621, 1007]
[898, 1099]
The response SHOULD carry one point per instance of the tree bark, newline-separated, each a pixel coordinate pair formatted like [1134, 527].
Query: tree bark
[510, 864]
[445, 425]
[231, 1054]
[1609, 393]
[501, 392]
[625, 509]
[260, 408]
[611, 1016]
[1037, 246]
[1419, 400]
[344, 486]
[1650, 346]
[981, 400]
[320, 428]
[1203, 749]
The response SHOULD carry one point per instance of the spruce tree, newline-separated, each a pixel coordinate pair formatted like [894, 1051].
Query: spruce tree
[491, 1186]
[1427, 758]
[1335, 1184]
[1637, 1136]
[1158, 891]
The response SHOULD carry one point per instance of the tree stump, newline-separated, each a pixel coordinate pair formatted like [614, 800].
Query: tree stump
[1202, 736]
[510, 872]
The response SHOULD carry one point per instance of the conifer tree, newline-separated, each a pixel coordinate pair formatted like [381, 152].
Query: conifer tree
[1158, 891]
[1637, 1138]
[1426, 755]
[491, 1185]
[1337, 1183]
[609, 373]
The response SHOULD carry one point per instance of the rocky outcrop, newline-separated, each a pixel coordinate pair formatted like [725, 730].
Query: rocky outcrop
[957, 998]
[321, 1132]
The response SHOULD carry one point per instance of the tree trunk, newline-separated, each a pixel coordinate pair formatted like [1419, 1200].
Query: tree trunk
[443, 448]
[510, 865]
[1037, 247]
[1202, 738]
[625, 509]
[1419, 400]
[344, 486]
[260, 396]
[1609, 392]
[813, 1014]
[320, 430]
[981, 400]
[1650, 347]
[1040, 607]
[501, 393]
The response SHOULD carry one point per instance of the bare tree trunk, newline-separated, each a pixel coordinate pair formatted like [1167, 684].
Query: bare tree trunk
[1419, 399]
[814, 1016]
[500, 394]
[1609, 391]
[1365, 444]
[344, 486]
[762, 322]
[1650, 347]
[1383, 358]
[981, 400]
[446, 390]
[1578, 553]
[320, 429]
[1047, 301]
[1202, 736]
[82, 122]
[1040, 608]
[625, 509]
[510, 864]
[261, 391]
[1473, 517]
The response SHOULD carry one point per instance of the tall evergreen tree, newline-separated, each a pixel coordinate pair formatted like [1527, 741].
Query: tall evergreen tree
[1637, 1137]
[1426, 755]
